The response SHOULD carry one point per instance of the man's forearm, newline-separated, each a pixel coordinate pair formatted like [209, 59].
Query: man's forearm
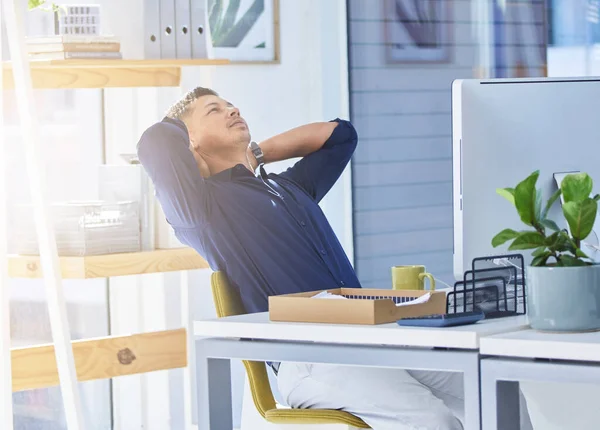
[297, 142]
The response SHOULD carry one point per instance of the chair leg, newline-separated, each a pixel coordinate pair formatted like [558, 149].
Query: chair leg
[252, 420]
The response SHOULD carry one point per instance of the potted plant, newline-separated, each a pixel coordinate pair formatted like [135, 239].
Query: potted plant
[563, 283]
[43, 5]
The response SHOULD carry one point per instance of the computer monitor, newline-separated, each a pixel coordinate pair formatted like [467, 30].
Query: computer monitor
[503, 130]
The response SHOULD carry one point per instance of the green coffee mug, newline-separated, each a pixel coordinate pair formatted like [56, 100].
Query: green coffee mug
[411, 278]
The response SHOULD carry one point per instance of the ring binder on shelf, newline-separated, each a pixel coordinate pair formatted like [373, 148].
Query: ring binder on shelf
[183, 22]
[152, 33]
[167, 29]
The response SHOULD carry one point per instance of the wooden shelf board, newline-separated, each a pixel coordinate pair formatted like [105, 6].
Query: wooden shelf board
[106, 73]
[109, 265]
[35, 366]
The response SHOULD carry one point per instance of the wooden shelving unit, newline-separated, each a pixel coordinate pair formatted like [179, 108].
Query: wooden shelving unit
[39, 366]
[106, 73]
[35, 366]
[109, 265]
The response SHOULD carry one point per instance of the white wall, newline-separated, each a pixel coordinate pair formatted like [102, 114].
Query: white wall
[310, 84]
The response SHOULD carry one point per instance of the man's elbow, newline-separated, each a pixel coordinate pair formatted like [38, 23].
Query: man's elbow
[160, 140]
[349, 134]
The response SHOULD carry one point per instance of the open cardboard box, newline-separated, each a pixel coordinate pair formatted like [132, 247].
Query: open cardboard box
[365, 306]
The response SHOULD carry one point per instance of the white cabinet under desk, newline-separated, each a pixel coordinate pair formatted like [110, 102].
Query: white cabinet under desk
[532, 356]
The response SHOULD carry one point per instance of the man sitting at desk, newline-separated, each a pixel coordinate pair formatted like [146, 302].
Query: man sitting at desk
[268, 234]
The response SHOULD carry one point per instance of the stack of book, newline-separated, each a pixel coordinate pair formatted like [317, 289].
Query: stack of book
[73, 46]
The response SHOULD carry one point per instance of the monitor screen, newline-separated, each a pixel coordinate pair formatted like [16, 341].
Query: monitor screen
[502, 131]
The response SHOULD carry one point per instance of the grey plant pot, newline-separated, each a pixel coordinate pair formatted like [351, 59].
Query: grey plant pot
[564, 299]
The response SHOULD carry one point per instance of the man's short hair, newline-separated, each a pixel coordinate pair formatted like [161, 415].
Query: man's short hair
[180, 109]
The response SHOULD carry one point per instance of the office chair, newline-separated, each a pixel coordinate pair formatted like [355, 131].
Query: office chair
[228, 303]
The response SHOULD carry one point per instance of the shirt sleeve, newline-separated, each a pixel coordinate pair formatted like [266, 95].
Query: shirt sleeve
[316, 173]
[163, 151]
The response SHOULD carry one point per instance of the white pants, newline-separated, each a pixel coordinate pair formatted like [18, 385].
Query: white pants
[393, 399]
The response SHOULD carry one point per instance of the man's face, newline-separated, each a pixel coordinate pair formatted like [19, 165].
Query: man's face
[216, 127]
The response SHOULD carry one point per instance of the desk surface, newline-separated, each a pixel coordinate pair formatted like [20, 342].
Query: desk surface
[534, 344]
[258, 326]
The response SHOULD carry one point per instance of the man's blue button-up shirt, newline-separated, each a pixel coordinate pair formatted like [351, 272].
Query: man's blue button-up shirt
[268, 235]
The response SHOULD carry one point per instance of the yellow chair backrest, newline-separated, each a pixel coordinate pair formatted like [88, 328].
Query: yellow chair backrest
[229, 303]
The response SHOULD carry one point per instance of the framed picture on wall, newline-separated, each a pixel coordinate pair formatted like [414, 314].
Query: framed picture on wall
[418, 31]
[244, 31]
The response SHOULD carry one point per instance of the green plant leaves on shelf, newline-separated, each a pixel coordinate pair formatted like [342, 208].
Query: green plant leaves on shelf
[576, 187]
[32, 4]
[44, 5]
[581, 216]
[526, 199]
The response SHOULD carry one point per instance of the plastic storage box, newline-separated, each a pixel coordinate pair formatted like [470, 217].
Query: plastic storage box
[81, 228]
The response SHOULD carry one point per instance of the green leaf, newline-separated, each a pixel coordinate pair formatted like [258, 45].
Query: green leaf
[552, 240]
[32, 4]
[507, 193]
[581, 217]
[540, 251]
[538, 205]
[528, 240]
[541, 260]
[576, 187]
[261, 45]
[597, 197]
[550, 224]
[526, 200]
[570, 261]
[44, 6]
[503, 237]
[579, 253]
[550, 202]
[566, 243]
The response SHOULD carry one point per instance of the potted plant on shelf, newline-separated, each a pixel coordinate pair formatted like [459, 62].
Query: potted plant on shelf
[563, 283]
[43, 5]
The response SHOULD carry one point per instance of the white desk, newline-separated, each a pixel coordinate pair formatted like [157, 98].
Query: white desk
[529, 355]
[254, 337]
